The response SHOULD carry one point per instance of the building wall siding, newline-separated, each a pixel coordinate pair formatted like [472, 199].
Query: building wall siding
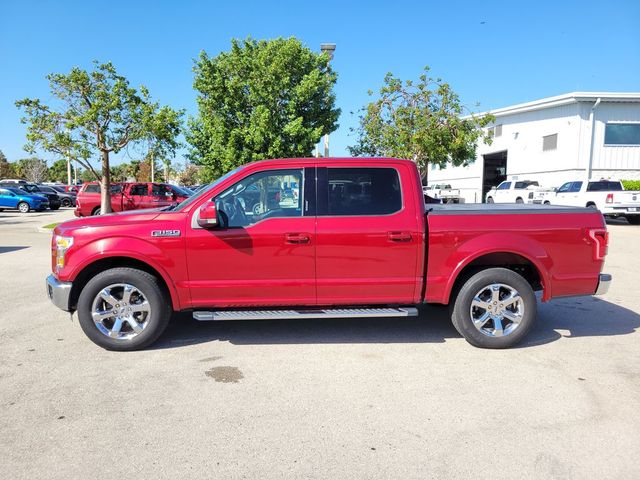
[522, 139]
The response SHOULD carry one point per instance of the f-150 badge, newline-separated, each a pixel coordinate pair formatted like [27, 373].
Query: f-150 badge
[165, 233]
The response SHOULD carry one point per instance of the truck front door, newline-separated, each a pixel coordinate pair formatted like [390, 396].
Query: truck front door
[263, 252]
[369, 241]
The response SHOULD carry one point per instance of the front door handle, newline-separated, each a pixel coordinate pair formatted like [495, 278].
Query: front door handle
[296, 238]
[399, 236]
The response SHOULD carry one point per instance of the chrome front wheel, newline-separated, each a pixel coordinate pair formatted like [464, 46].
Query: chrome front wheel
[124, 308]
[120, 311]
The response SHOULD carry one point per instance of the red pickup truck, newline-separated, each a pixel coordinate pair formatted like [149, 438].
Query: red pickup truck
[345, 238]
[127, 196]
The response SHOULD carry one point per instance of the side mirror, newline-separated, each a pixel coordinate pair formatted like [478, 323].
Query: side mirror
[208, 215]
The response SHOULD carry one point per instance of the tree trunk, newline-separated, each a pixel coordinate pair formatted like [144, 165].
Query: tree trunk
[105, 185]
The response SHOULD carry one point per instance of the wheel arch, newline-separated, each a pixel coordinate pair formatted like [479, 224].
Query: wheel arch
[99, 265]
[525, 265]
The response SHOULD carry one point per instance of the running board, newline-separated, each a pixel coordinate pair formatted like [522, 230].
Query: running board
[297, 314]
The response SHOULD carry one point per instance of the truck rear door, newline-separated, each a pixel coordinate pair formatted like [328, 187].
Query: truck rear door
[369, 237]
[137, 196]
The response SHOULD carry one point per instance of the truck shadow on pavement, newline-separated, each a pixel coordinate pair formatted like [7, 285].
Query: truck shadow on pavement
[7, 249]
[565, 318]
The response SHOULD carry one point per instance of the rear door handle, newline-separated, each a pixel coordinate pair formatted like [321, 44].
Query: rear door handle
[399, 236]
[296, 238]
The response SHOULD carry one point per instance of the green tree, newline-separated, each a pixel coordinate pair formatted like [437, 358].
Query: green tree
[32, 169]
[58, 171]
[422, 121]
[262, 99]
[97, 112]
[6, 169]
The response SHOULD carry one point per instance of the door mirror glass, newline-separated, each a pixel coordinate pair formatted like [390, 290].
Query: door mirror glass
[208, 216]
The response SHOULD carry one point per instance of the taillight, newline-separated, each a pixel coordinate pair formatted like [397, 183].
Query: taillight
[610, 198]
[600, 239]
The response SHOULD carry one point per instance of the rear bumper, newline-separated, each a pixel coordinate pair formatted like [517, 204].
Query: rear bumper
[59, 292]
[603, 284]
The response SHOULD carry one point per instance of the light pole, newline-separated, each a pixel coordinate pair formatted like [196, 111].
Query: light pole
[328, 48]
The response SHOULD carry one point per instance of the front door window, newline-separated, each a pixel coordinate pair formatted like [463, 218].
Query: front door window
[263, 195]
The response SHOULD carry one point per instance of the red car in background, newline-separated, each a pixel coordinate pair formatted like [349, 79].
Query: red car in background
[127, 196]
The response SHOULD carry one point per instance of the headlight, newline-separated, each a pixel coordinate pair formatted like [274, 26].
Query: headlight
[62, 245]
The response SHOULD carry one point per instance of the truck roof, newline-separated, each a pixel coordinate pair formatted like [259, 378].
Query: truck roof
[330, 161]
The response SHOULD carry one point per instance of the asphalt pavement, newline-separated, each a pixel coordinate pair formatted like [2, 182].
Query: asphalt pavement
[334, 399]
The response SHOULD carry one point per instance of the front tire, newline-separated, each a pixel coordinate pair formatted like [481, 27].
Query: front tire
[489, 199]
[495, 308]
[123, 309]
[24, 207]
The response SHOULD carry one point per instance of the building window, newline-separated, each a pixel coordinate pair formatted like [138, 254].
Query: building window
[550, 142]
[622, 134]
[495, 131]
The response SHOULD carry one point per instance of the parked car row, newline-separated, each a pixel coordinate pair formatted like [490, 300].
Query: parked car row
[26, 196]
[608, 196]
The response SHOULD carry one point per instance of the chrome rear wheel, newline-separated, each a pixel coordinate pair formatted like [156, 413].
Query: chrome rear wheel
[497, 310]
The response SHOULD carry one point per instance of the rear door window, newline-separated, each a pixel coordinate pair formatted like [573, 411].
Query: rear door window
[139, 190]
[361, 191]
[604, 185]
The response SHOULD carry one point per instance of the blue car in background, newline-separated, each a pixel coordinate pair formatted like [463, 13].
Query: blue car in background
[17, 199]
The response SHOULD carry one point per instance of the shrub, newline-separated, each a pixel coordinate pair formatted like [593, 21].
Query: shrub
[631, 184]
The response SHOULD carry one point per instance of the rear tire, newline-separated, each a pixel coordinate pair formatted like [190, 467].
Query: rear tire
[24, 207]
[519, 200]
[66, 203]
[633, 219]
[136, 320]
[547, 202]
[591, 205]
[495, 308]
[95, 211]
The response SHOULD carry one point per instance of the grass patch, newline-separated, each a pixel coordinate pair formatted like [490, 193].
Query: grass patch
[51, 226]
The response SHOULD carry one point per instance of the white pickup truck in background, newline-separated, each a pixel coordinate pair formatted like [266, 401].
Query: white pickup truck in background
[608, 196]
[512, 191]
[443, 192]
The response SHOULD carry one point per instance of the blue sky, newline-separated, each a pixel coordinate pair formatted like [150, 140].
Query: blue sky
[492, 53]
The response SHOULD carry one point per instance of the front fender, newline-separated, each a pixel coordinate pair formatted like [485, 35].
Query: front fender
[165, 258]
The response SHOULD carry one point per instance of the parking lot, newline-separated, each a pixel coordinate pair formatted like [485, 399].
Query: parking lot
[381, 398]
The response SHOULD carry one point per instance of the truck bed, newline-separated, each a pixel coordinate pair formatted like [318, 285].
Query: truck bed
[501, 208]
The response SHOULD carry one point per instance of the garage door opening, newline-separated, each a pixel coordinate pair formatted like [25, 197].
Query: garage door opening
[494, 171]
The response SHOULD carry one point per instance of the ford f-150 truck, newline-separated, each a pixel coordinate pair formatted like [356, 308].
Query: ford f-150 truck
[127, 196]
[357, 241]
[608, 196]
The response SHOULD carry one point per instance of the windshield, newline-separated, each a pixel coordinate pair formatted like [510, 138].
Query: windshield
[204, 191]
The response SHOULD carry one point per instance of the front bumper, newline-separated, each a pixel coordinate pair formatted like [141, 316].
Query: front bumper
[59, 292]
[603, 284]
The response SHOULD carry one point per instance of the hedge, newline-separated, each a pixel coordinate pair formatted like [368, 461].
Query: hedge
[631, 184]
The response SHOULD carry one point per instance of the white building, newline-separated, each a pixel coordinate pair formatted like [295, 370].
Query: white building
[557, 139]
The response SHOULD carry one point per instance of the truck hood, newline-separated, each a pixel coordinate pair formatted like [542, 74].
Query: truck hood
[109, 220]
